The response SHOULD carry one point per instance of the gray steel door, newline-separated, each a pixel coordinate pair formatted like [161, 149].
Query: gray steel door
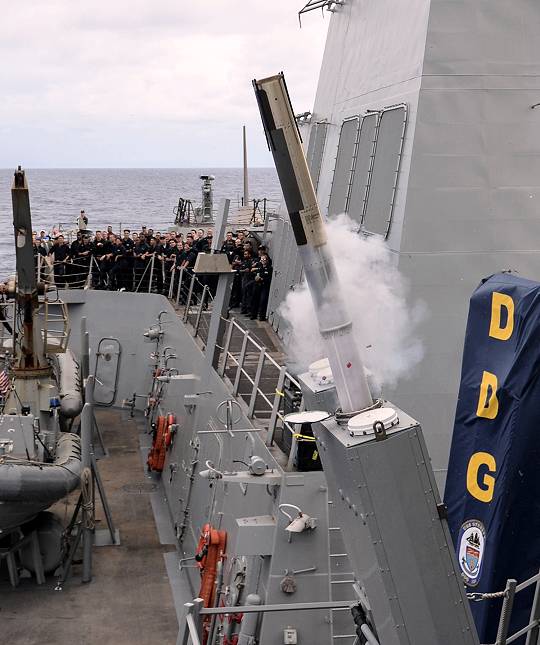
[107, 364]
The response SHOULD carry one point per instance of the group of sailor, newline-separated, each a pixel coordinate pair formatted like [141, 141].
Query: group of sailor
[253, 274]
[149, 260]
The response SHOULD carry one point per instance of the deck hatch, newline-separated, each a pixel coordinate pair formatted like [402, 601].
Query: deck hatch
[106, 371]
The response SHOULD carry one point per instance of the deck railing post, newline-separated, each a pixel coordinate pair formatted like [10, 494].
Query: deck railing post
[183, 632]
[151, 274]
[534, 634]
[139, 284]
[201, 307]
[506, 611]
[171, 283]
[180, 280]
[275, 407]
[256, 381]
[190, 295]
[292, 451]
[89, 276]
[241, 360]
[228, 338]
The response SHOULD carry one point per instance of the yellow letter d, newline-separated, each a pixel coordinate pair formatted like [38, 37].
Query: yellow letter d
[498, 301]
[488, 404]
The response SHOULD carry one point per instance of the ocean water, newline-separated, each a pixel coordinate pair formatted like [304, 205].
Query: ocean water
[126, 197]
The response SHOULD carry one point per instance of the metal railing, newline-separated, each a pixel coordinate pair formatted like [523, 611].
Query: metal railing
[257, 380]
[55, 331]
[73, 274]
[532, 629]
[194, 612]
[52, 320]
[194, 299]
[191, 630]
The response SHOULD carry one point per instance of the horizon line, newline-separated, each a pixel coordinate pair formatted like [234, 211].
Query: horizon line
[140, 168]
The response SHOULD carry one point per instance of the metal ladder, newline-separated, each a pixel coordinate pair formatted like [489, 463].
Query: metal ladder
[341, 585]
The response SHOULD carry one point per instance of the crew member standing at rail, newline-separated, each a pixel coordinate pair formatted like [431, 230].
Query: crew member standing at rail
[236, 264]
[261, 288]
[140, 251]
[188, 263]
[106, 260]
[97, 251]
[81, 263]
[60, 254]
[247, 281]
[118, 268]
[171, 257]
[83, 221]
[229, 247]
[159, 267]
[75, 267]
[128, 244]
[39, 253]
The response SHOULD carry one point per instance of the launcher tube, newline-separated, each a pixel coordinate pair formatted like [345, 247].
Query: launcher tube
[309, 230]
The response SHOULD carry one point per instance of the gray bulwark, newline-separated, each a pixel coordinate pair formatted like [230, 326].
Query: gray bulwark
[386, 502]
[344, 164]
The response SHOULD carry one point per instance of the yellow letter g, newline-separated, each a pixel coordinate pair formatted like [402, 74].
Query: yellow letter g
[484, 493]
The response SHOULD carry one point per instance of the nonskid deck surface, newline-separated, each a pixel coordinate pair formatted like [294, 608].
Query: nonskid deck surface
[129, 601]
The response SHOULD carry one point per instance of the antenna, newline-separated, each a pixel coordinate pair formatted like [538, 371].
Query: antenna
[246, 186]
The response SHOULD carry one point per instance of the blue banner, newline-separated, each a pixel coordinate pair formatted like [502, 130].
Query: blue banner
[493, 484]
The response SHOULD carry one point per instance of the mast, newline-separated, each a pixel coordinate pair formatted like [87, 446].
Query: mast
[28, 347]
[246, 186]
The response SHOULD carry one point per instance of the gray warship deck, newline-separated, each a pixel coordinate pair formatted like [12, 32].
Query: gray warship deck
[129, 601]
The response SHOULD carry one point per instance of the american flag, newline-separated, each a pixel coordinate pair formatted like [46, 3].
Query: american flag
[5, 383]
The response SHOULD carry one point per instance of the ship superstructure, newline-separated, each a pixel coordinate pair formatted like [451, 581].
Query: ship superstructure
[425, 131]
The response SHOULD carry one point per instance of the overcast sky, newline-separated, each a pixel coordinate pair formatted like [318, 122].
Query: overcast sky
[122, 83]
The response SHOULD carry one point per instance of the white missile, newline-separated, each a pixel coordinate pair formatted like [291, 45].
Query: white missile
[309, 230]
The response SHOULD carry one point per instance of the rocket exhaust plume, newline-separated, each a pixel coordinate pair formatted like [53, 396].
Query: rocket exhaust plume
[309, 230]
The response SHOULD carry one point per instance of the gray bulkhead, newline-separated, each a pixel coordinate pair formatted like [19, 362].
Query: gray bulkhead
[467, 195]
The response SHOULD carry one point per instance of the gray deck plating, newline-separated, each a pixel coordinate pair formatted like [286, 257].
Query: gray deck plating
[129, 600]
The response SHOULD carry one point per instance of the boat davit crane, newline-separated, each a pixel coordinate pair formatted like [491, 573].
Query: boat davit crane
[29, 351]
[39, 463]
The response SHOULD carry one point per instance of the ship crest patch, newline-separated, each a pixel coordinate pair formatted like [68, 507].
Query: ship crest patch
[472, 541]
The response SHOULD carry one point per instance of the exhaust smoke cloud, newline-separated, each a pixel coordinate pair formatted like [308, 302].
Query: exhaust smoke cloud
[385, 323]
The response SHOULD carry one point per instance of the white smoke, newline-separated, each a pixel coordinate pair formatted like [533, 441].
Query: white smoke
[385, 323]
